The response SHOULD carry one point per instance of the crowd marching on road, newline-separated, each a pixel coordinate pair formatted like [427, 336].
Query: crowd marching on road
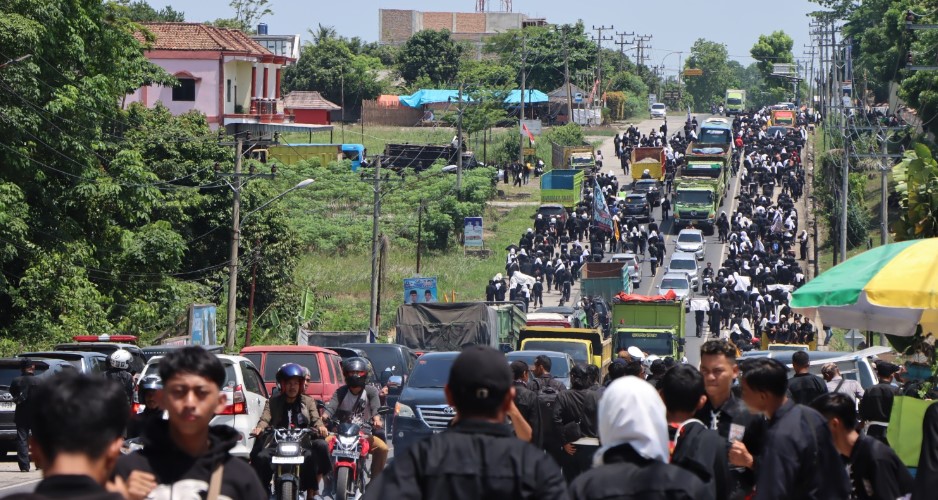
[728, 427]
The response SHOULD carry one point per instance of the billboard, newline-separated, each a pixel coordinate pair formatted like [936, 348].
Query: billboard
[472, 232]
[419, 290]
[202, 324]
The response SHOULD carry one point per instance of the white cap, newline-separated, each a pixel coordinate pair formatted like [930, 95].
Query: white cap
[637, 353]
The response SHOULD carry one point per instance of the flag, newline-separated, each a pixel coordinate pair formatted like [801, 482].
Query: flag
[524, 128]
[601, 214]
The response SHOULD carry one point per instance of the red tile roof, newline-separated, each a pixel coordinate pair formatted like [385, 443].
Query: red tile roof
[302, 99]
[197, 36]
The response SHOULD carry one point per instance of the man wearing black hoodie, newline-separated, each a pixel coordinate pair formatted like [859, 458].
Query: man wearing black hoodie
[184, 457]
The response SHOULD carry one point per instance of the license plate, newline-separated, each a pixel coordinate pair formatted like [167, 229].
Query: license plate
[7, 406]
[437, 431]
[353, 456]
[287, 460]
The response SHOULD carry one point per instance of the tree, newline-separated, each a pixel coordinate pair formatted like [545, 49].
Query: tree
[544, 53]
[250, 12]
[431, 54]
[917, 178]
[709, 88]
[329, 66]
[141, 11]
[770, 50]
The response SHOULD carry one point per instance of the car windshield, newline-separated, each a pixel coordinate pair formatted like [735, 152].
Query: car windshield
[695, 197]
[645, 185]
[650, 343]
[635, 200]
[674, 284]
[657, 106]
[689, 238]
[430, 372]
[734, 100]
[715, 136]
[575, 350]
[683, 264]
[558, 365]
[383, 358]
[277, 359]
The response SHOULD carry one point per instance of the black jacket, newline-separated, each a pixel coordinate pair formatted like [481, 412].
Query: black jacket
[799, 459]
[71, 487]
[473, 460]
[804, 387]
[19, 389]
[926, 478]
[577, 414]
[876, 405]
[731, 418]
[626, 475]
[538, 383]
[705, 453]
[182, 475]
[526, 401]
[876, 471]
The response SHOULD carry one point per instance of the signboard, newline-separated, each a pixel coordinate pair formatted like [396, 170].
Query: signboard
[419, 290]
[472, 232]
[848, 86]
[534, 126]
[578, 97]
[202, 326]
[652, 98]
[693, 72]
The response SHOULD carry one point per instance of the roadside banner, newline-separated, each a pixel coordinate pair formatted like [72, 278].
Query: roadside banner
[472, 232]
[419, 290]
[601, 215]
[202, 326]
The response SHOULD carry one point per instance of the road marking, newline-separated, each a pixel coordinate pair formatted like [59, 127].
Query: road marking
[20, 485]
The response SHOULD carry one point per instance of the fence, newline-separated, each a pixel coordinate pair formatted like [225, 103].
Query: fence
[399, 116]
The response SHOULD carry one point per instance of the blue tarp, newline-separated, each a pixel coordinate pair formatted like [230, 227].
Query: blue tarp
[530, 96]
[430, 96]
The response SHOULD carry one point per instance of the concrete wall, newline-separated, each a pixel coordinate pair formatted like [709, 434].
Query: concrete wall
[498, 22]
[397, 26]
[206, 89]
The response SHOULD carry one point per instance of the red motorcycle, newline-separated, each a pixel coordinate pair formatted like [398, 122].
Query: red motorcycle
[349, 450]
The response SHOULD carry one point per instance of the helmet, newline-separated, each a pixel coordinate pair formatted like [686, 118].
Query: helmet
[150, 383]
[355, 371]
[290, 370]
[120, 359]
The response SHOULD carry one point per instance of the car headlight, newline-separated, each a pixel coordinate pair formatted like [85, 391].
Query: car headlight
[402, 410]
[288, 449]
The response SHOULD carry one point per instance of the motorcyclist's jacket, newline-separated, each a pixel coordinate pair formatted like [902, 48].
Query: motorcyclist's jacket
[180, 475]
[301, 414]
[67, 486]
[357, 409]
[472, 459]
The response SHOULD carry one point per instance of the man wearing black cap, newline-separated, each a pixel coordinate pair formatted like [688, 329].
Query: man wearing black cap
[20, 388]
[876, 405]
[477, 457]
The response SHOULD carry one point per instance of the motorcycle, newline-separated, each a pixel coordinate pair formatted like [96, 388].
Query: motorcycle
[286, 461]
[349, 451]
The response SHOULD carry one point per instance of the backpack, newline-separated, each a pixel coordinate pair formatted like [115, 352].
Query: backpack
[546, 403]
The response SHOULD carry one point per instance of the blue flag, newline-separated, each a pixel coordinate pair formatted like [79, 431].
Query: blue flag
[601, 215]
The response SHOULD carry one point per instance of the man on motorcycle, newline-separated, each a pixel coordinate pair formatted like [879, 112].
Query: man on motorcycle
[358, 403]
[291, 408]
[146, 395]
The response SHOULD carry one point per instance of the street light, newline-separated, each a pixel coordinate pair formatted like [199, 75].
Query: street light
[231, 330]
[663, 70]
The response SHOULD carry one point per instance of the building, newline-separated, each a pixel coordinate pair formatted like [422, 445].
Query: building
[221, 72]
[309, 107]
[396, 26]
[279, 45]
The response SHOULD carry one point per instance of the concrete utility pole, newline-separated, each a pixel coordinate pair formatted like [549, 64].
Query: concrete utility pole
[622, 44]
[231, 329]
[524, 57]
[641, 57]
[599, 55]
[842, 117]
[459, 145]
[373, 313]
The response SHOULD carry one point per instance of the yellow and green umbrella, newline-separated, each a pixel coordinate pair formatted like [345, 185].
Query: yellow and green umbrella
[889, 289]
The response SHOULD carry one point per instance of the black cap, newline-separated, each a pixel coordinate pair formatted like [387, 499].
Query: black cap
[885, 368]
[480, 374]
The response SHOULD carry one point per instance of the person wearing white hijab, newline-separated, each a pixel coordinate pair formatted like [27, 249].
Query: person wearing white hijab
[632, 461]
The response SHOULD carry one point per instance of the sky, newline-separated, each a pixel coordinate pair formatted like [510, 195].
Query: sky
[674, 24]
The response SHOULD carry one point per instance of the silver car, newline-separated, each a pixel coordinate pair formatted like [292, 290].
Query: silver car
[683, 262]
[631, 261]
[677, 282]
[691, 241]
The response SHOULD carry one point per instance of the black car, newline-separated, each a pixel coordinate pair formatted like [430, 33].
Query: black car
[553, 210]
[423, 409]
[650, 188]
[11, 368]
[636, 206]
[388, 360]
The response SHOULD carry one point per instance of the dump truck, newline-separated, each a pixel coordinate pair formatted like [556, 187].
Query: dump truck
[651, 159]
[563, 187]
[438, 326]
[330, 339]
[782, 118]
[605, 279]
[735, 101]
[420, 157]
[700, 186]
[573, 157]
[291, 154]
[656, 325]
[584, 345]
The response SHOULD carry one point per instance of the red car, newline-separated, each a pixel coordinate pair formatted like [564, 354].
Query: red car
[325, 366]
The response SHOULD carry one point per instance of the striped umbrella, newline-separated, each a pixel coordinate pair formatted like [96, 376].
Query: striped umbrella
[890, 289]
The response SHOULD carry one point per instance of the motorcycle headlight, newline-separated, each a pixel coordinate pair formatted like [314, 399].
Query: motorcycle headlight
[288, 449]
[348, 440]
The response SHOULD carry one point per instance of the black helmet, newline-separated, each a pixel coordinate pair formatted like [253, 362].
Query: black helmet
[355, 371]
[290, 370]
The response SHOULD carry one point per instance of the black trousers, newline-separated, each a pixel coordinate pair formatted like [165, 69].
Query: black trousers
[22, 446]
[316, 461]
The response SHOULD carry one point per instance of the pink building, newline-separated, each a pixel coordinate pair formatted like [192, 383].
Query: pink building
[222, 72]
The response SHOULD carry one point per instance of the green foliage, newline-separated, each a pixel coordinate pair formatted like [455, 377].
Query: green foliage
[543, 48]
[250, 12]
[629, 82]
[141, 11]
[330, 65]
[829, 178]
[710, 87]
[431, 54]
[772, 49]
[917, 185]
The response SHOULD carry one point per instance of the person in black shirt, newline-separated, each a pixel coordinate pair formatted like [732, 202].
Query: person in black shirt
[876, 405]
[477, 457]
[575, 417]
[77, 438]
[926, 478]
[20, 388]
[804, 386]
[798, 459]
[526, 400]
[876, 473]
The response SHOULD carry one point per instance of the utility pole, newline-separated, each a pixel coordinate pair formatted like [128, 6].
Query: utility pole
[641, 39]
[373, 314]
[419, 232]
[622, 43]
[524, 57]
[566, 72]
[599, 55]
[842, 118]
[884, 209]
[256, 257]
[458, 146]
[231, 330]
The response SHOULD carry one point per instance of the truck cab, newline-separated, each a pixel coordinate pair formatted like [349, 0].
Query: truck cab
[653, 324]
[584, 345]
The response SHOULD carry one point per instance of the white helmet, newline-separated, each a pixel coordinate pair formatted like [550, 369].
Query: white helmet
[120, 359]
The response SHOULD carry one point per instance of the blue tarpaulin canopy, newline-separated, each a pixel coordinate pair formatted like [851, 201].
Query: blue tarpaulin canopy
[530, 97]
[430, 96]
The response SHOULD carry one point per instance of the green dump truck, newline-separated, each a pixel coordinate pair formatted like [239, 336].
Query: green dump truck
[700, 186]
[563, 187]
[735, 101]
[605, 279]
[573, 157]
[654, 326]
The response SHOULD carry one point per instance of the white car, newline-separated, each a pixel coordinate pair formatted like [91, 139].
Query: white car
[691, 241]
[683, 262]
[631, 261]
[246, 393]
[658, 110]
[677, 282]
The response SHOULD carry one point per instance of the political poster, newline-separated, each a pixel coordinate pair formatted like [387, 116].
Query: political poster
[202, 325]
[419, 290]
[472, 232]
